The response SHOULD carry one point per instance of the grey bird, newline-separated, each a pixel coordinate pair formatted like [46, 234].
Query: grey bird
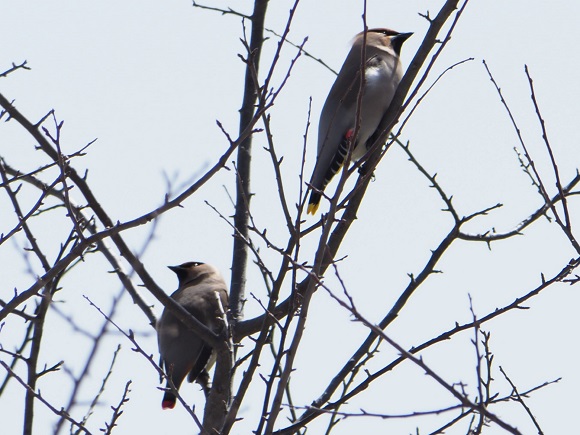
[203, 293]
[383, 72]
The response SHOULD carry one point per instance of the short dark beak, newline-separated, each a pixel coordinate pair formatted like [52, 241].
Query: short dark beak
[403, 36]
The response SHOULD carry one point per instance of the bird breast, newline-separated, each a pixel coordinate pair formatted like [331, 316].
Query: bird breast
[381, 79]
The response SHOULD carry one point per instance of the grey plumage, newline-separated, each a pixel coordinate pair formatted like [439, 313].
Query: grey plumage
[383, 72]
[183, 353]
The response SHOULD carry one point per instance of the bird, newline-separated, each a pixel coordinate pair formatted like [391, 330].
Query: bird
[338, 119]
[203, 293]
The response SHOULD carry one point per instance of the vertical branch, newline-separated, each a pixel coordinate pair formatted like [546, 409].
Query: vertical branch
[32, 362]
[40, 314]
[566, 224]
[241, 217]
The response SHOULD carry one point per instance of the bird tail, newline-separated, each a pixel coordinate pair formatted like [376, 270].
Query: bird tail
[313, 203]
[335, 166]
[168, 401]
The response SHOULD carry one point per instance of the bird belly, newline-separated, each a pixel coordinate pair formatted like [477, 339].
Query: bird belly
[379, 91]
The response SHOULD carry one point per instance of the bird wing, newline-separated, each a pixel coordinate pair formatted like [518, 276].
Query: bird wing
[201, 363]
[337, 118]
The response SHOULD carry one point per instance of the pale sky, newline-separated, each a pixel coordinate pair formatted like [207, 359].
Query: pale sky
[149, 79]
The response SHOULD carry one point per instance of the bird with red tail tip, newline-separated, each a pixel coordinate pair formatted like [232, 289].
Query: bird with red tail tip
[338, 120]
[203, 293]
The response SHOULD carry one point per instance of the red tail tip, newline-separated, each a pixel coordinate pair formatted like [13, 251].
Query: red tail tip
[168, 404]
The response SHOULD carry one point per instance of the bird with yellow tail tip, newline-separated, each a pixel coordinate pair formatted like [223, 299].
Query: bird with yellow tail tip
[336, 129]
